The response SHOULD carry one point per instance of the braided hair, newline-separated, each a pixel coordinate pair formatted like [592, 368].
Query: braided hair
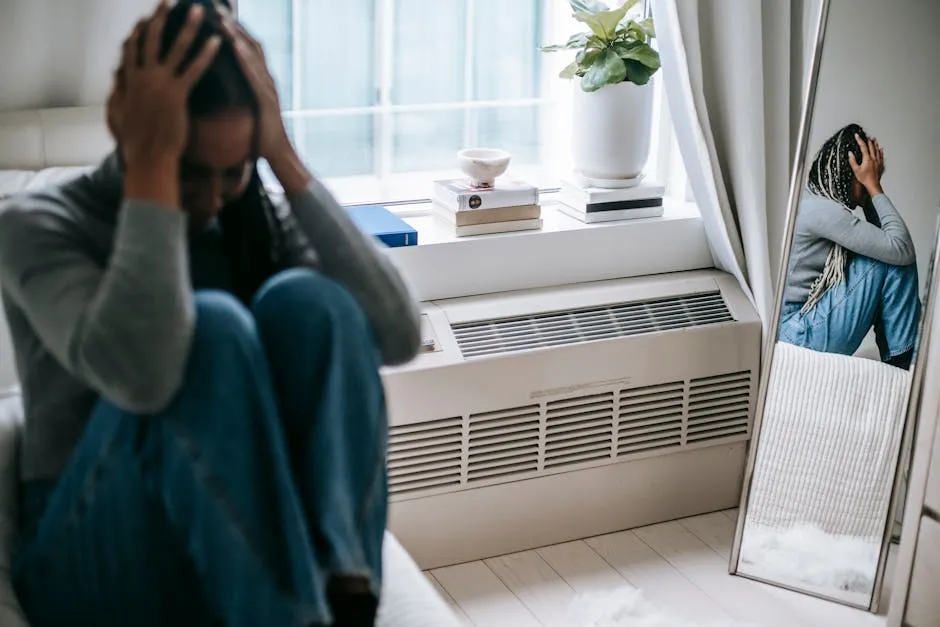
[831, 176]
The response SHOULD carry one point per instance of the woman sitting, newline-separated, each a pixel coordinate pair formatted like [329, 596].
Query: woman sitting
[847, 275]
[205, 423]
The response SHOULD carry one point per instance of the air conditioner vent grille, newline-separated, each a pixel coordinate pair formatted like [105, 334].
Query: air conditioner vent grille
[425, 456]
[553, 435]
[504, 443]
[719, 407]
[651, 418]
[508, 335]
[579, 430]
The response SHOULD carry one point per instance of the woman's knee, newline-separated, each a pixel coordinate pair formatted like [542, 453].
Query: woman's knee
[306, 297]
[904, 273]
[222, 324]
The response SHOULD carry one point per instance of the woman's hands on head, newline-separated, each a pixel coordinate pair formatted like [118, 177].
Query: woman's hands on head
[872, 167]
[274, 145]
[147, 107]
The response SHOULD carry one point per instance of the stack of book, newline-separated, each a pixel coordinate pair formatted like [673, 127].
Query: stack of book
[508, 206]
[593, 204]
[382, 224]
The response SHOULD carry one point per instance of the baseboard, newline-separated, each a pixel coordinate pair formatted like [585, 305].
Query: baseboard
[476, 524]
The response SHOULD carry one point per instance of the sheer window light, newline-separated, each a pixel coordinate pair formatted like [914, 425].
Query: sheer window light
[379, 95]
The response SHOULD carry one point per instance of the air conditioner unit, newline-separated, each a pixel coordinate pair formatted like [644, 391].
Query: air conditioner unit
[543, 416]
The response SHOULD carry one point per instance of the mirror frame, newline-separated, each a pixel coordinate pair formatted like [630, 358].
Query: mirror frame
[917, 373]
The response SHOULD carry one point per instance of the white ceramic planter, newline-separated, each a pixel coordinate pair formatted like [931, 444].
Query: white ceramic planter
[611, 133]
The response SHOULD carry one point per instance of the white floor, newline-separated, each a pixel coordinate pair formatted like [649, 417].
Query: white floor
[681, 566]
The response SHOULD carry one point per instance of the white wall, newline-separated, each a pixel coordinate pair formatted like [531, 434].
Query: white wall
[61, 52]
[58, 53]
[880, 69]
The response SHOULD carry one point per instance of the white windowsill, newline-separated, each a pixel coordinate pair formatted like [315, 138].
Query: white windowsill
[565, 251]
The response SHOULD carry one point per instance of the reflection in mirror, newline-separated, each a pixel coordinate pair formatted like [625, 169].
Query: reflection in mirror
[817, 506]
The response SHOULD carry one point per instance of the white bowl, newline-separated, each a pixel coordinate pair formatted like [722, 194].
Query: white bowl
[483, 165]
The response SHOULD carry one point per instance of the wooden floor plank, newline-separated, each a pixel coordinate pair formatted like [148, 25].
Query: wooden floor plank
[745, 600]
[543, 591]
[485, 600]
[660, 582]
[582, 568]
[715, 530]
[681, 567]
[462, 618]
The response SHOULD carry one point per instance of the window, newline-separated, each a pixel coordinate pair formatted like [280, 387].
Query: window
[379, 95]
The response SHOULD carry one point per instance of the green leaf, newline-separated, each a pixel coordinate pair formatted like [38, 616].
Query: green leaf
[591, 20]
[648, 27]
[607, 69]
[570, 71]
[637, 73]
[610, 19]
[585, 58]
[629, 4]
[574, 42]
[634, 33]
[587, 6]
[579, 40]
[640, 52]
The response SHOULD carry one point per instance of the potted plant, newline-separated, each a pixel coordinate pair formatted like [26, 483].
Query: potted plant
[613, 101]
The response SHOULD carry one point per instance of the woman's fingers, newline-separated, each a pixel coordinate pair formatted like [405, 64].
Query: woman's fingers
[154, 34]
[185, 39]
[238, 33]
[852, 162]
[251, 41]
[202, 61]
[131, 58]
[245, 52]
[863, 146]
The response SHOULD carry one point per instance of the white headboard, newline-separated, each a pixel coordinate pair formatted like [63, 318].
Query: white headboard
[44, 141]
[46, 138]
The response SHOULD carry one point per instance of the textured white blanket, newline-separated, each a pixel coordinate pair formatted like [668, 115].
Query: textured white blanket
[828, 444]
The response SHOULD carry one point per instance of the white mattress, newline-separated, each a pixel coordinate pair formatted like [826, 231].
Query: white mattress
[828, 443]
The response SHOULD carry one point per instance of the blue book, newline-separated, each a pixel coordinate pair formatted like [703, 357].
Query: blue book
[379, 222]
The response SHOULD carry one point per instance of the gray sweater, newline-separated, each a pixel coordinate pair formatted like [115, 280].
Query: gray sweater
[99, 296]
[821, 222]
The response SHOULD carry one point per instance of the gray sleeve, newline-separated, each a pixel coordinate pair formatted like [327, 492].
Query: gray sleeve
[125, 329]
[354, 260]
[891, 244]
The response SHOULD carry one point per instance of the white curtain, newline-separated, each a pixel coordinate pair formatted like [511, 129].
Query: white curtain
[735, 72]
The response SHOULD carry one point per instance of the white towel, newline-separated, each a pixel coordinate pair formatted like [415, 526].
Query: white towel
[829, 442]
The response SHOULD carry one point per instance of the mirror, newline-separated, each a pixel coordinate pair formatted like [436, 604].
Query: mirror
[831, 431]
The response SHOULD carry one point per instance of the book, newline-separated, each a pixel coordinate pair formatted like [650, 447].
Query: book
[470, 230]
[498, 227]
[610, 216]
[379, 222]
[596, 195]
[459, 195]
[487, 216]
[622, 205]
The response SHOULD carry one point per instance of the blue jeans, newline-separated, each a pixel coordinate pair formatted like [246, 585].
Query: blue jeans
[873, 295]
[239, 504]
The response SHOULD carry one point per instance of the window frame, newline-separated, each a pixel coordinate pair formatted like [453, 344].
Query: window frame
[664, 165]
